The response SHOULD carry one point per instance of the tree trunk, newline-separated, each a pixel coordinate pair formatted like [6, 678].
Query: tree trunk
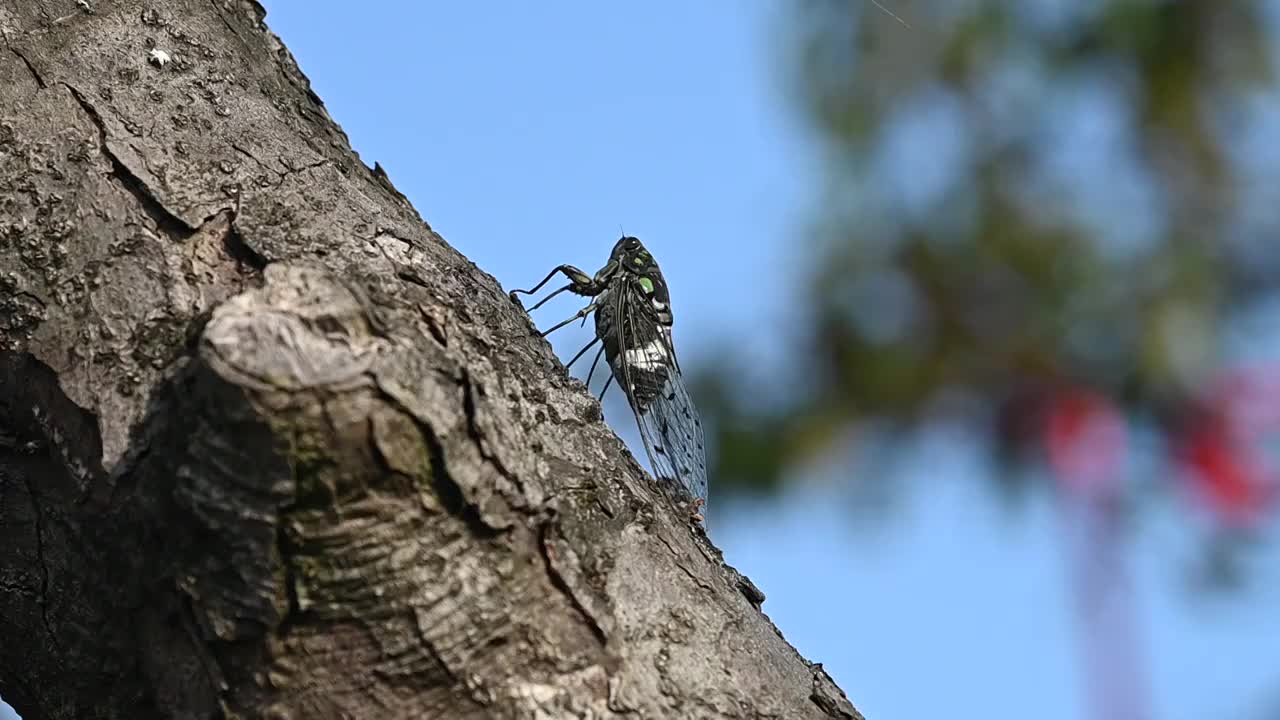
[269, 447]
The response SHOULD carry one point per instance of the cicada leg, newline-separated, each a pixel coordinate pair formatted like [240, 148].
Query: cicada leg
[579, 282]
[580, 354]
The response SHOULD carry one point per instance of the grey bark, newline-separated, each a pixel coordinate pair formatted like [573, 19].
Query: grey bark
[269, 447]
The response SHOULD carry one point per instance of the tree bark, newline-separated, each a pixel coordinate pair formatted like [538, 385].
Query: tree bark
[269, 447]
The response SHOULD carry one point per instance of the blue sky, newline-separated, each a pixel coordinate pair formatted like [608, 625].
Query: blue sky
[528, 135]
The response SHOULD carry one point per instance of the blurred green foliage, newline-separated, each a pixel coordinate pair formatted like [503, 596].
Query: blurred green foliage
[1020, 196]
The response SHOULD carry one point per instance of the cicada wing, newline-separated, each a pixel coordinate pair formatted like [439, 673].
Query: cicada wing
[645, 362]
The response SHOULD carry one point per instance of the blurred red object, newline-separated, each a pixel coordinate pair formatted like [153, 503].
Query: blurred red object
[1086, 440]
[1224, 449]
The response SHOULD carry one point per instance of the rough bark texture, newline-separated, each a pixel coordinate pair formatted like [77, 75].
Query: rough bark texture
[269, 447]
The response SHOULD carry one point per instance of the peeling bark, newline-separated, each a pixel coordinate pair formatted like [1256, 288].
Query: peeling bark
[269, 447]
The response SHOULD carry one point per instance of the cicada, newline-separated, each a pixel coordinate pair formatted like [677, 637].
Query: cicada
[632, 307]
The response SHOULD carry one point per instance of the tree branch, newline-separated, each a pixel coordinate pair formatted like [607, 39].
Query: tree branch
[269, 447]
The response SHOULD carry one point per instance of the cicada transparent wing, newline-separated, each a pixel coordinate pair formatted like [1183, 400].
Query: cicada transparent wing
[643, 358]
